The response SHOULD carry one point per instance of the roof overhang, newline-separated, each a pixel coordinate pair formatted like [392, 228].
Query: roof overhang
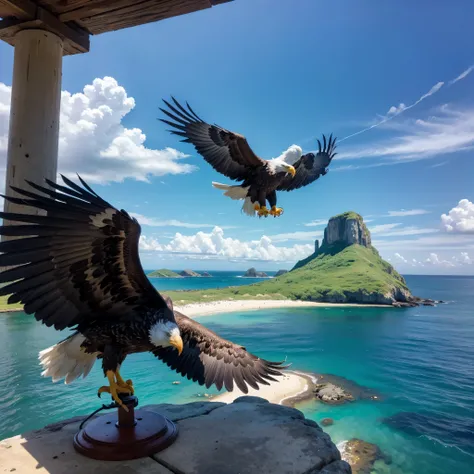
[75, 20]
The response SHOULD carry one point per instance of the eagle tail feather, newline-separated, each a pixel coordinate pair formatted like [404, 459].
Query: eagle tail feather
[67, 360]
[248, 207]
[234, 192]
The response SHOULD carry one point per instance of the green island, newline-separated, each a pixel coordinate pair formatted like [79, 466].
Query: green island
[164, 273]
[346, 268]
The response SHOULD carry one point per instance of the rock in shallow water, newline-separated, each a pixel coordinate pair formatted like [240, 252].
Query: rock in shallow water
[362, 455]
[327, 421]
[332, 394]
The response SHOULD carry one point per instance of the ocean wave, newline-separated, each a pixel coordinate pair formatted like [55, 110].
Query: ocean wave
[341, 446]
[446, 445]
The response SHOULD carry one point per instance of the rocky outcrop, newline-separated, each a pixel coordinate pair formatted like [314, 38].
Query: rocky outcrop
[205, 274]
[248, 436]
[327, 421]
[332, 394]
[252, 273]
[377, 282]
[362, 456]
[280, 272]
[346, 229]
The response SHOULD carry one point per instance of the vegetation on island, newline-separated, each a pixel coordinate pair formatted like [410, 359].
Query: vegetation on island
[164, 273]
[327, 277]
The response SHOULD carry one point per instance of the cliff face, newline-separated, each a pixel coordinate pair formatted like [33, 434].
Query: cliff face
[362, 275]
[346, 229]
[342, 230]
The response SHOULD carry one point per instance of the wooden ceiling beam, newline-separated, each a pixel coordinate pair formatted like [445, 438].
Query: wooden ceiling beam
[30, 15]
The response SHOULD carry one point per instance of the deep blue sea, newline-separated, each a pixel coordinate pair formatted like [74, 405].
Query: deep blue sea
[419, 360]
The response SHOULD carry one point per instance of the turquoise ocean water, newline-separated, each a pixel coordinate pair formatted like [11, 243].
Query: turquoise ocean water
[420, 361]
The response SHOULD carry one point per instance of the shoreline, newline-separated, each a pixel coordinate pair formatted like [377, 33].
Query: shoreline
[292, 388]
[230, 306]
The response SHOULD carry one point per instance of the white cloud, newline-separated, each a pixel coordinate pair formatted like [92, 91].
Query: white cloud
[465, 258]
[407, 212]
[395, 111]
[460, 218]
[435, 260]
[437, 165]
[299, 235]
[154, 222]
[393, 230]
[316, 223]
[450, 131]
[377, 229]
[94, 143]
[463, 75]
[214, 244]
[428, 242]
[401, 257]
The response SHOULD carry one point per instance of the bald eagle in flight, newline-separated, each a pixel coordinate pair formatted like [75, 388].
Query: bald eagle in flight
[230, 154]
[78, 268]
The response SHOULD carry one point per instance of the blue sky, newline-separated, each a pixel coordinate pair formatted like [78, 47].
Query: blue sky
[283, 73]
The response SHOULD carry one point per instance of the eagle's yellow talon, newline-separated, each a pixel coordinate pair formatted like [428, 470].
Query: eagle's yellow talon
[127, 384]
[263, 212]
[114, 388]
[276, 211]
[256, 206]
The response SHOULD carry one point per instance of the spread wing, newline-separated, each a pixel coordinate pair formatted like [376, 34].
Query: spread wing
[79, 262]
[209, 359]
[227, 152]
[310, 166]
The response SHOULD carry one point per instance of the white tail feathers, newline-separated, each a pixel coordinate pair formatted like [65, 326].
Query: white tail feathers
[248, 207]
[67, 360]
[234, 192]
[237, 193]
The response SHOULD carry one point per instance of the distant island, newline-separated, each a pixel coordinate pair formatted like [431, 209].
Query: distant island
[252, 273]
[346, 268]
[165, 273]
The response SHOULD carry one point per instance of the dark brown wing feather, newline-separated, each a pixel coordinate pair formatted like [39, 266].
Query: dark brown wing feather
[227, 152]
[77, 263]
[310, 167]
[209, 359]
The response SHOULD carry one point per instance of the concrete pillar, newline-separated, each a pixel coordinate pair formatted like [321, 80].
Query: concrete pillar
[34, 115]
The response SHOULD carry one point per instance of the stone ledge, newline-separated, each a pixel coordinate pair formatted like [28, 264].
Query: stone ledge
[248, 436]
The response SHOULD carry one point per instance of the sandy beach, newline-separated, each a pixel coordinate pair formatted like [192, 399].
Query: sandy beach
[292, 387]
[214, 307]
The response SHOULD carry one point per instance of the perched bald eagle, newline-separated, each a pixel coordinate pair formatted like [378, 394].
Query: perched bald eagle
[78, 268]
[230, 154]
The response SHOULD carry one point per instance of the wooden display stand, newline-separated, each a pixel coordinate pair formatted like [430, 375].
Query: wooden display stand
[122, 435]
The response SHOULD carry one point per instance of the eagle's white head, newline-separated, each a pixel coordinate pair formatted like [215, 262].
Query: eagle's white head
[166, 334]
[284, 162]
[292, 155]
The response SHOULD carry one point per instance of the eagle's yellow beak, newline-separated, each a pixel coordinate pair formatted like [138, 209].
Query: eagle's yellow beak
[292, 171]
[176, 341]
